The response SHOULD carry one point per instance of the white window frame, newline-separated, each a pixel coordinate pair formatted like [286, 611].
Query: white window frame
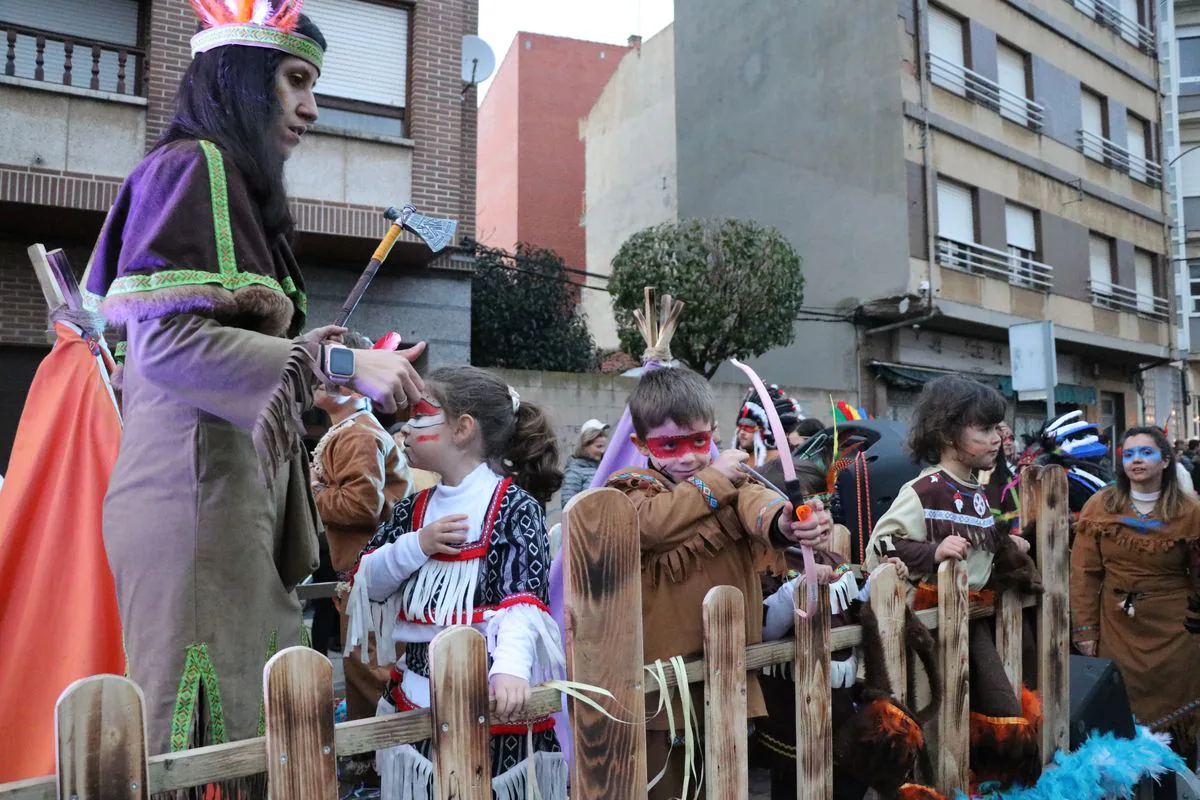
[1100, 263]
[1020, 234]
[1180, 35]
[1143, 280]
[1137, 143]
[1090, 148]
[947, 41]
[1013, 76]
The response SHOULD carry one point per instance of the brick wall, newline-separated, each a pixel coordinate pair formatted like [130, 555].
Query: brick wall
[168, 53]
[23, 320]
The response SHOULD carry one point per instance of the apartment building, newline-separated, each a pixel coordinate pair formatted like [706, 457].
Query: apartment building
[947, 169]
[530, 158]
[86, 88]
[1180, 50]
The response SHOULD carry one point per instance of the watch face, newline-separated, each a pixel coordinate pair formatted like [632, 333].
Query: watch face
[341, 361]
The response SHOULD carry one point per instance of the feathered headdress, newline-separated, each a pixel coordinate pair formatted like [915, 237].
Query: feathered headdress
[254, 23]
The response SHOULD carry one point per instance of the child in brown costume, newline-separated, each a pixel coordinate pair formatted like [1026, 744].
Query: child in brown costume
[944, 513]
[702, 525]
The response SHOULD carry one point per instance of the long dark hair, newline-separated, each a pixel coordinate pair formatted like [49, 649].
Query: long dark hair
[521, 444]
[227, 96]
[1171, 501]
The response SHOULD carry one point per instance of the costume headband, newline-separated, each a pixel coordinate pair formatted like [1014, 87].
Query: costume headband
[254, 23]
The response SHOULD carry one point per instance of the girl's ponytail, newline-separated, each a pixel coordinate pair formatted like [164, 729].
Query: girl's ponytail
[532, 454]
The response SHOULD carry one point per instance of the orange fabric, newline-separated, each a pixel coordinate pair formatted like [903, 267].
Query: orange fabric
[58, 605]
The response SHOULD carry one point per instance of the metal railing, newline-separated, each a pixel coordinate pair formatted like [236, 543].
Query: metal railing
[1111, 17]
[71, 61]
[1098, 148]
[1120, 298]
[986, 92]
[979, 260]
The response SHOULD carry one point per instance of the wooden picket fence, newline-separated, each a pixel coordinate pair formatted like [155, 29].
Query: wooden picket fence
[101, 730]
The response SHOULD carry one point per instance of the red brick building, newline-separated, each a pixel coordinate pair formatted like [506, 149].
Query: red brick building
[531, 159]
[87, 87]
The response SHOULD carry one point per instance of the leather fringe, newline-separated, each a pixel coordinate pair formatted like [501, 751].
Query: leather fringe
[277, 429]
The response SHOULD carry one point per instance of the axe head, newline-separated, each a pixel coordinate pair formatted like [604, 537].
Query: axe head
[434, 231]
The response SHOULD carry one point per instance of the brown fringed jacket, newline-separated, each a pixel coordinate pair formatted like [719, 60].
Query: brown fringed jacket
[697, 534]
[1132, 580]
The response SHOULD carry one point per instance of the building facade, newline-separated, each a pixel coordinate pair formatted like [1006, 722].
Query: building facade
[86, 88]
[530, 160]
[946, 169]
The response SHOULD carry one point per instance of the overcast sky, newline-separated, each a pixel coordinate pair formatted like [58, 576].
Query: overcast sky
[612, 21]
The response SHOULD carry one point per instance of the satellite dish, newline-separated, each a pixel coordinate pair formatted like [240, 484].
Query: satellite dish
[478, 61]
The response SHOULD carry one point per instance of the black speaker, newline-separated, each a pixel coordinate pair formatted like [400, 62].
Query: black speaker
[1098, 700]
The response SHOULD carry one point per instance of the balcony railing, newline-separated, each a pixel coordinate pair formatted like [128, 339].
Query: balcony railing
[1120, 298]
[986, 92]
[1098, 148]
[979, 260]
[70, 61]
[1111, 17]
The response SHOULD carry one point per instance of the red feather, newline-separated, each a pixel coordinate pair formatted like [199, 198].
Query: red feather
[286, 16]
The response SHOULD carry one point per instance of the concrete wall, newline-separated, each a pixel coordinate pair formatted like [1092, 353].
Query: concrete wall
[73, 130]
[351, 168]
[792, 117]
[419, 305]
[629, 140]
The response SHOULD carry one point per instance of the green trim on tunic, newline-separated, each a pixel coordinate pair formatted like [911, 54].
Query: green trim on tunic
[228, 276]
[272, 649]
[197, 672]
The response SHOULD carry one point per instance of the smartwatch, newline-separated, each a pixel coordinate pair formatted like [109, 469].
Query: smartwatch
[337, 362]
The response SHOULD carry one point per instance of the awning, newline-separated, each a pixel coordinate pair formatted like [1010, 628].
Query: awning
[905, 377]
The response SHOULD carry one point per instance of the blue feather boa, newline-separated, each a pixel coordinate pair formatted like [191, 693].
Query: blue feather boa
[1104, 767]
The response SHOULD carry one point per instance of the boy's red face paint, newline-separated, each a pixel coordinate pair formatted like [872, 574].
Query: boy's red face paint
[699, 442]
[428, 437]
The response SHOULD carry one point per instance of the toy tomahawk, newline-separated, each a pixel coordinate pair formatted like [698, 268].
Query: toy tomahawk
[436, 233]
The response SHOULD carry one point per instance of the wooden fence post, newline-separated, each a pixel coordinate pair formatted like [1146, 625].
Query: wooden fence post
[814, 706]
[603, 574]
[1054, 622]
[100, 732]
[458, 693]
[726, 758]
[298, 697]
[888, 601]
[953, 751]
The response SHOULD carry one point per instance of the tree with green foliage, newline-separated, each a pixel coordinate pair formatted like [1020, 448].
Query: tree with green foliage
[741, 282]
[524, 313]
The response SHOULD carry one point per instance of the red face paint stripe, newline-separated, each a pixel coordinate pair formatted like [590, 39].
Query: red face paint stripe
[428, 437]
[424, 408]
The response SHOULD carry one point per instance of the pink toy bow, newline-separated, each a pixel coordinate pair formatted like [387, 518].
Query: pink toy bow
[790, 484]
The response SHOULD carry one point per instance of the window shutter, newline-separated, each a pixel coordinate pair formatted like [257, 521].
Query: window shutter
[1100, 264]
[1093, 113]
[956, 212]
[1135, 143]
[368, 50]
[1020, 229]
[1189, 175]
[111, 21]
[946, 42]
[1143, 277]
[1012, 79]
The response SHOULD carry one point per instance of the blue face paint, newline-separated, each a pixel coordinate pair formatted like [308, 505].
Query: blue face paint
[1145, 453]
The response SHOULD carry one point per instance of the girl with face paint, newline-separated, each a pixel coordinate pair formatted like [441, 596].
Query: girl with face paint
[1135, 586]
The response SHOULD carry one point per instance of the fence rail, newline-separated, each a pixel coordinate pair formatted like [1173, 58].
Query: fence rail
[1121, 298]
[1098, 148]
[957, 78]
[980, 260]
[57, 58]
[603, 574]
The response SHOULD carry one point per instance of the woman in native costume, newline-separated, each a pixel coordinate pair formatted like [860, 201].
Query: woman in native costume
[473, 550]
[1135, 586]
[208, 519]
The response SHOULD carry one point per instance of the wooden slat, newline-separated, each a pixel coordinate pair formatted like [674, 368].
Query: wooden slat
[1029, 491]
[726, 764]
[458, 693]
[298, 693]
[602, 570]
[952, 754]
[1054, 620]
[1009, 638]
[100, 732]
[203, 765]
[888, 603]
[814, 707]
[51, 290]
